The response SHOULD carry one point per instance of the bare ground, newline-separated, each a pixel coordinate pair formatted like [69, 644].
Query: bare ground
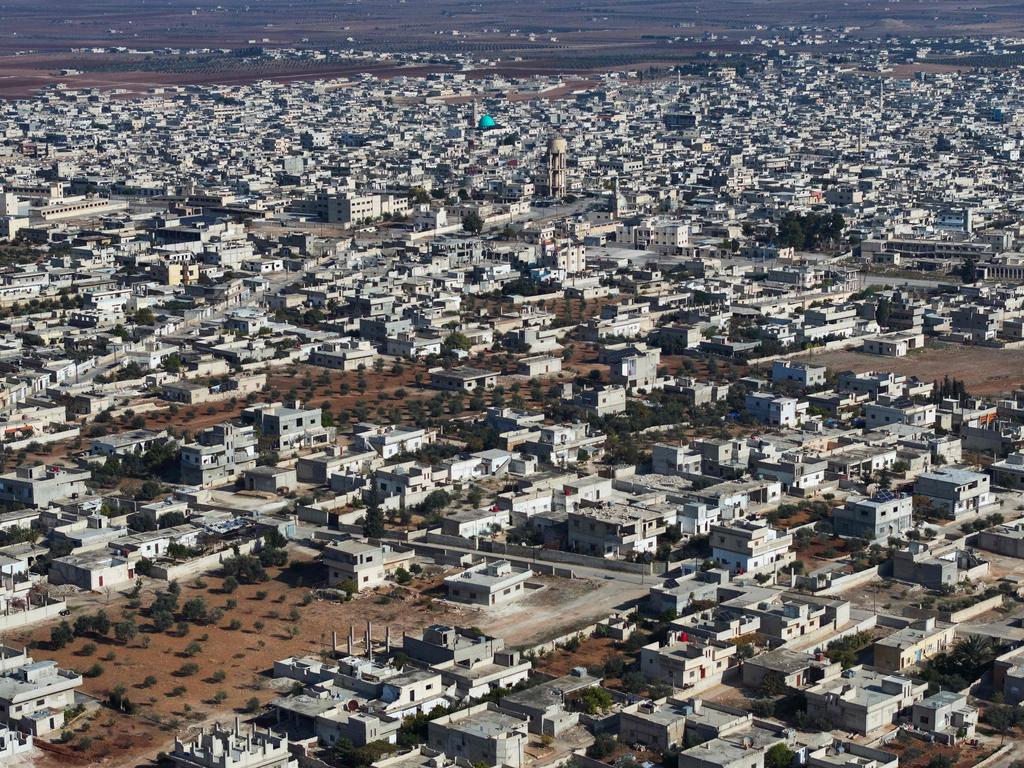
[984, 371]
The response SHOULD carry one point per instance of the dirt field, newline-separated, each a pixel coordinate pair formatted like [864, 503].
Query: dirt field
[984, 371]
[268, 614]
[243, 654]
[593, 651]
[558, 609]
[914, 753]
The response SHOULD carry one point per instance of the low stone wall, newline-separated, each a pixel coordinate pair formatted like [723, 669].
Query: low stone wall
[996, 756]
[44, 438]
[956, 617]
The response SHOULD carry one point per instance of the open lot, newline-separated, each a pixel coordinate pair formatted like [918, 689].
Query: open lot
[984, 371]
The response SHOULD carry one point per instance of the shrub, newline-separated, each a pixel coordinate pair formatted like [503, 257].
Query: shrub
[193, 649]
[87, 650]
[234, 625]
[218, 676]
[149, 681]
[252, 705]
[187, 670]
[94, 671]
[229, 585]
[595, 700]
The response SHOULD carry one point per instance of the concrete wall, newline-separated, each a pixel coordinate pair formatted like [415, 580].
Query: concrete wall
[16, 618]
[843, 583]
[570, 558]
[201, 564]
[854, 342]
[535, 554]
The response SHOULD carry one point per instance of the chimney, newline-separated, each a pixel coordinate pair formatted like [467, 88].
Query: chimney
[334, 641]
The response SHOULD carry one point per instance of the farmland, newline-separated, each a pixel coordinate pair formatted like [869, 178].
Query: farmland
[178, 43]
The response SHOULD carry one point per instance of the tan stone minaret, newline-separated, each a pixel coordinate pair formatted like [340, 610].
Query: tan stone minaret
[558, 151]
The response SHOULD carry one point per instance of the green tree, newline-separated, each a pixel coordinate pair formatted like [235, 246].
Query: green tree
[83, 625]
[61, 635]
[773, 684]
[883, 311]
[125, 631]
[473, 223]
[969, 270]
[172, 363]
[162, 620]
[595, 700]
[194, 610]
[779, 756]
[373, 523]
[457, 341]
[603, 745]
[1003, 718]
[101, 623]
